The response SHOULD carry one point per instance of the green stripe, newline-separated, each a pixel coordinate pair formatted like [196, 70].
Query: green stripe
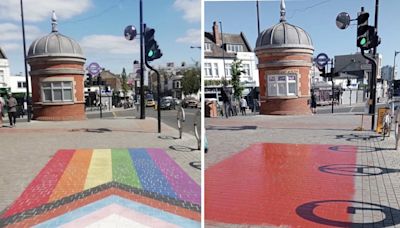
[123, 169]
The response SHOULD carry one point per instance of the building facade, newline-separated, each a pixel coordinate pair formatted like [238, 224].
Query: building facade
[284, 53]
[57, 74]
[4, 73]
[220, 51]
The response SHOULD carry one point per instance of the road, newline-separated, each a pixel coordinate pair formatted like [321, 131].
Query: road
[344, 109]
[167, 117]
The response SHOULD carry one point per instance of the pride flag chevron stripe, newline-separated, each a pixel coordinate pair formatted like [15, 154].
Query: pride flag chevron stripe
[100, 169]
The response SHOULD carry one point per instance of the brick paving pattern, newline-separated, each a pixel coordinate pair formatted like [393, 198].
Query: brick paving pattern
[154, 183]
[300, 171]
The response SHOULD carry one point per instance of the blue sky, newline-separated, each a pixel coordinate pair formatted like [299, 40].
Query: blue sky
[98, 27]
[317, 17]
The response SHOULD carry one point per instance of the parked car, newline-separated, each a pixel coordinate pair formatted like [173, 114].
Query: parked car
[150, 102]
[177, 101]
[192, 104]
[167, 103]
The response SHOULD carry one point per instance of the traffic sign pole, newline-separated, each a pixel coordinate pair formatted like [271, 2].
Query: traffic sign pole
[142, 29]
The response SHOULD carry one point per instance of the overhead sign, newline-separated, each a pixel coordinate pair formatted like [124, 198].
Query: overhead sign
[94, 68]
[322, 59]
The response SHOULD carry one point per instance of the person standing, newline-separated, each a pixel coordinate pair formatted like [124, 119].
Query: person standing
[2, 103]
[12, 110]
[226, 98]
[243, 106]
[313, 103]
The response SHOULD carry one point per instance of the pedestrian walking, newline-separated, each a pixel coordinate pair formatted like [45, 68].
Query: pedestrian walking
[313, 103]
[2, 103]
[12, 110]
[243, 106]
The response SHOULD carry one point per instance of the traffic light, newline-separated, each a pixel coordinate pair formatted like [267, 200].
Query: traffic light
[363, 30]
[375, 40]
[152, 51]
[322, 72]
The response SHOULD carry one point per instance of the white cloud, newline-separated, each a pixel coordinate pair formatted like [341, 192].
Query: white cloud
[192, 36]
[35, 10]
[11, 47]
[108, 44]
[12, 32]
[190, 8]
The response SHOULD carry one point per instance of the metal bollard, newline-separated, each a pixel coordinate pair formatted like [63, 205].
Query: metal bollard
[180, 117]
[197, 127]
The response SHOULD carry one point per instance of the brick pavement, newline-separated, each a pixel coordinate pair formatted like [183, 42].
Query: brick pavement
[243, 164]
[26, 149]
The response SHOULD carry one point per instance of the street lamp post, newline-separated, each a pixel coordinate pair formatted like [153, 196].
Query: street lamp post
[28, 102]
[394, 63]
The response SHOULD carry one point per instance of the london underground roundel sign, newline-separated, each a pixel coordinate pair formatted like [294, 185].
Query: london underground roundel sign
[94, 68]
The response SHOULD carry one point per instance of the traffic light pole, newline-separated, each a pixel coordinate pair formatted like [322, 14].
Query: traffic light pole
[372, 88]
[333, 84]
[374, 65]
[158, 96]
[101, 105]
[142, 29]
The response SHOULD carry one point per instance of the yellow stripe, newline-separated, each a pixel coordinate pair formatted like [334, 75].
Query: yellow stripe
[100, 169]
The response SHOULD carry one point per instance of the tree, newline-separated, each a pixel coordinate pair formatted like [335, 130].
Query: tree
[191, 81]
[125, 86]
[236, 71]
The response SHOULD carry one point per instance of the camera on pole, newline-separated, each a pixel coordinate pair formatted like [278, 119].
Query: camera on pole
[152, 51]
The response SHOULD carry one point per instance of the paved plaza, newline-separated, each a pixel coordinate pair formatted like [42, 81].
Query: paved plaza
[300, 171]
[99, 172]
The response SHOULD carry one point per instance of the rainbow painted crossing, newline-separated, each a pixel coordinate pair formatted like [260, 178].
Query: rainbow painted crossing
[77, 173]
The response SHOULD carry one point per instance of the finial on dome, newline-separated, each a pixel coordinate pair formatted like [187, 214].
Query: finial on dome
[54, 22]
[283, 11]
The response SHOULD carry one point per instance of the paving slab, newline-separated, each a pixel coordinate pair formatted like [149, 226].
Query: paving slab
[300, 171]
[54, 169]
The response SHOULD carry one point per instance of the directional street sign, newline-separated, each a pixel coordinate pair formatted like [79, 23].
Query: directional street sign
[322, 59]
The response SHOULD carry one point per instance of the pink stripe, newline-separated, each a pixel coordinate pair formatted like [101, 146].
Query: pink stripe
[40, 189]
[183, 185]
[119, 210]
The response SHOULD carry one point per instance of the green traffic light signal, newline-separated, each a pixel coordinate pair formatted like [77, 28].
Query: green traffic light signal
[363, 41]
[151, 53]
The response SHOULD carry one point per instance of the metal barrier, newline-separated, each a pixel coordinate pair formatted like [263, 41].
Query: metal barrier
[180, 119]
[396, 127]
[197, 128]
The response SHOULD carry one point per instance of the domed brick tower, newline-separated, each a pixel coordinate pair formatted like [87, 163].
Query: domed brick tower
[56, 68]
[284, 54]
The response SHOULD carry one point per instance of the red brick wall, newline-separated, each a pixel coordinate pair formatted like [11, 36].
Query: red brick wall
[293, 106]
[296, 106]
[58, 112]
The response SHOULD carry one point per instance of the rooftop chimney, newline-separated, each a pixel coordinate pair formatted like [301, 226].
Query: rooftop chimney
[217, 34]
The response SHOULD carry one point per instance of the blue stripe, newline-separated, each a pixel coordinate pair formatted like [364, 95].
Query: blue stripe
[141, 208]
[150, 175]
